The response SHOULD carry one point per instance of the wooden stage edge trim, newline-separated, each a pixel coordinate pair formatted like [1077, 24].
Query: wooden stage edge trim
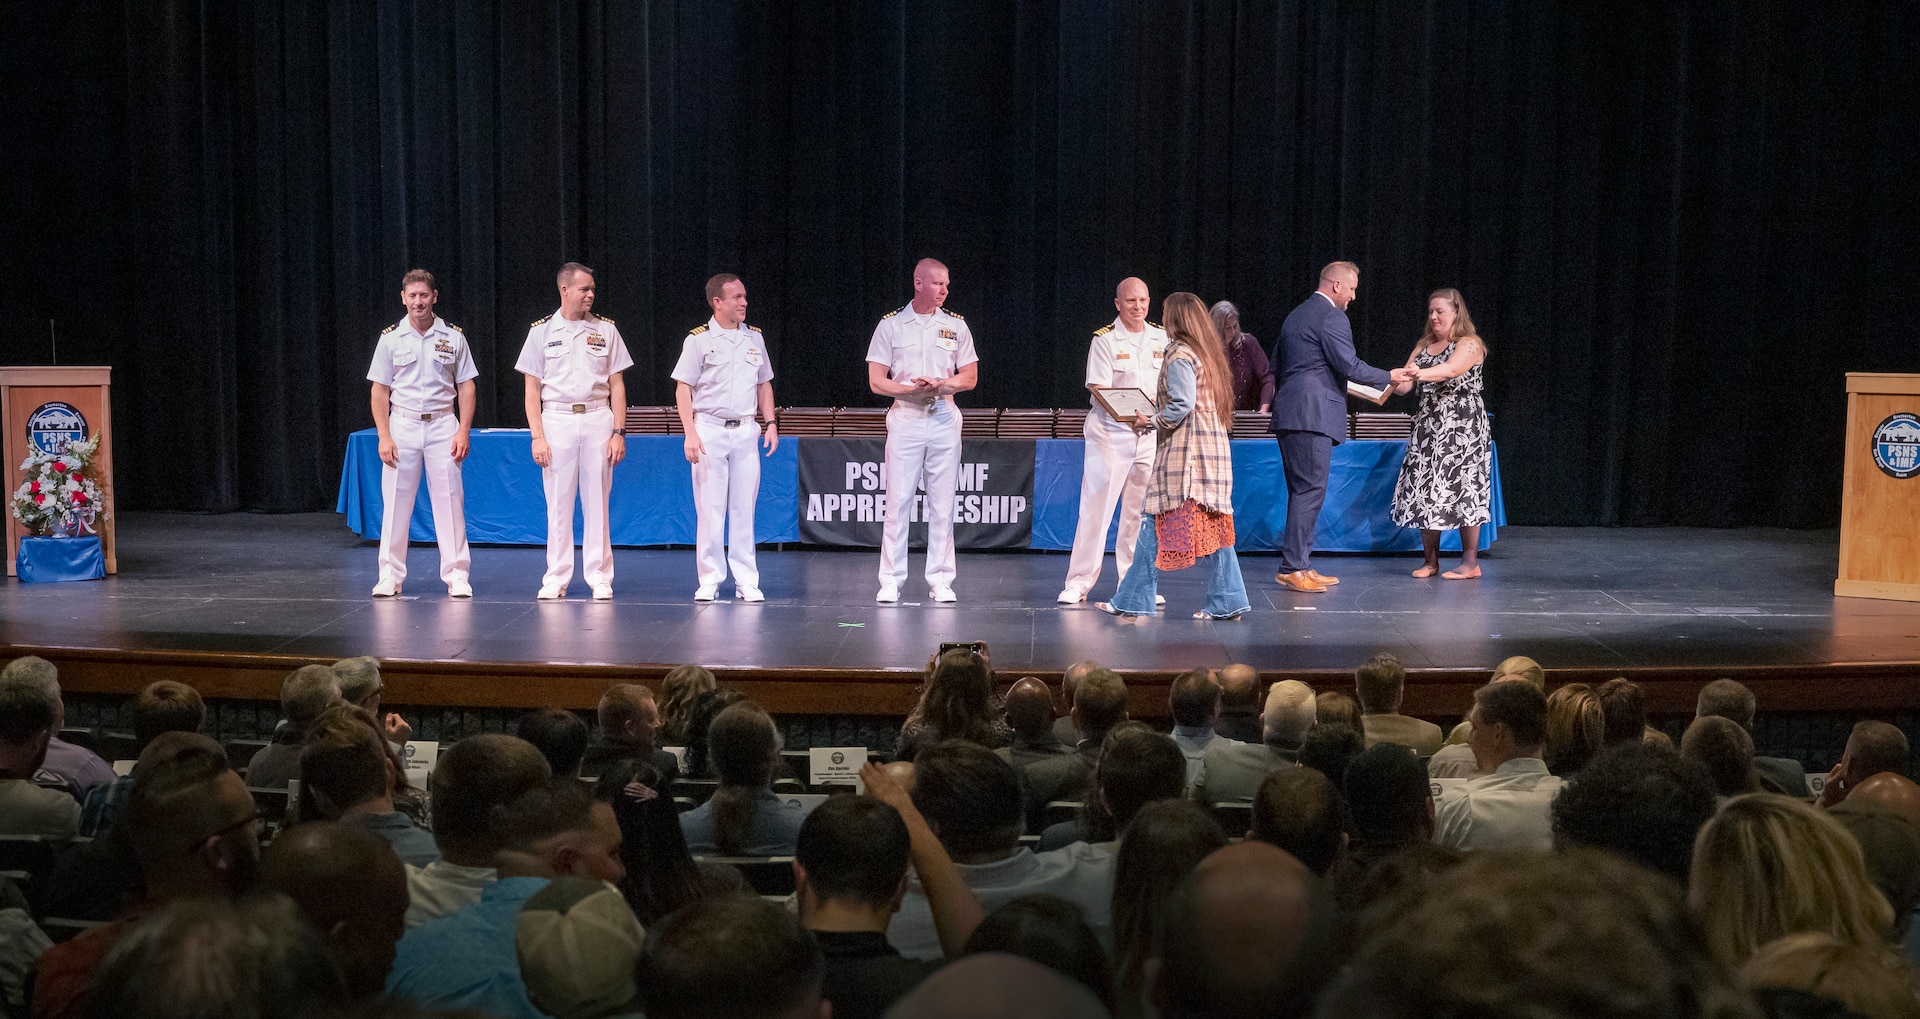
[1436, 693]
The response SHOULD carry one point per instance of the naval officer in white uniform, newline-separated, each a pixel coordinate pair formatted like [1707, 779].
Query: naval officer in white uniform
[1125, 354]
[576, 408]
[723, 375]
[421, 369]
[921, 355]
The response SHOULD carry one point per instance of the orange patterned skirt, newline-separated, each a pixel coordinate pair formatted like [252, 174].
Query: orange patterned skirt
[1190, 533]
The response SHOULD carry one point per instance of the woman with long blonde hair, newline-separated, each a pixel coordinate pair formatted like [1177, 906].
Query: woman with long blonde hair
[1190, 499]
[1446, 480]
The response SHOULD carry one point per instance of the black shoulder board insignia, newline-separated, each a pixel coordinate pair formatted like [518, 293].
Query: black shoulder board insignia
[696, 330]
[1103, 330]
[955, 314]
[389, 329]
[754, 328]
[453, 327]
[542, 320]
[892, 313]
[604, 318]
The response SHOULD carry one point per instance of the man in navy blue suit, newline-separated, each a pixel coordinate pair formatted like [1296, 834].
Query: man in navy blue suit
[1315, 359]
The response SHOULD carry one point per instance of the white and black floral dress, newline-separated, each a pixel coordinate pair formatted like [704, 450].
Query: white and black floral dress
[1446, 480]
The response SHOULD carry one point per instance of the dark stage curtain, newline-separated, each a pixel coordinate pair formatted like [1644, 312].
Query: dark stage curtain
[1676, 224]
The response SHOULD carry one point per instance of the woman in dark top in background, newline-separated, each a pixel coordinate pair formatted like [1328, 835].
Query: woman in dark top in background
[1252, 373]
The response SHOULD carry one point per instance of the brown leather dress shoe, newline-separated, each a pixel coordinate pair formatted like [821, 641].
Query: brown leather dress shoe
[1323, 578]
[1302, 581]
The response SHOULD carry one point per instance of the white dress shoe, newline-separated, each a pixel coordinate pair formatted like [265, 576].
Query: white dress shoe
[749, 594]
[459, 589]
[704, 594]
[386, 589]
[887, 595]
[603, 592]
[1071, 596]
[944, 595]
[552, 592]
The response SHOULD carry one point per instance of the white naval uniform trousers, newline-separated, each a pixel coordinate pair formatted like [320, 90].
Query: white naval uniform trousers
[726, 483]
[579, 467]
[1114, 471]
[922, 440]
[423, 446]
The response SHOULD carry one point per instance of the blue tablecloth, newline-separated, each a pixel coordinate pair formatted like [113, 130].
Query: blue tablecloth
[652, 501]
[46, 560]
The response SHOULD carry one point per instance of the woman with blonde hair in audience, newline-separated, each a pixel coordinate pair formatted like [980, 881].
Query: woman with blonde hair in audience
[1575, 728]
[1875, 983]
[743, 817]
[677, 692]
[957, 702]
[1767, 866]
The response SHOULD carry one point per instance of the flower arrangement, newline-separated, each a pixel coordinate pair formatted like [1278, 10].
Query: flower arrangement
[59, 495]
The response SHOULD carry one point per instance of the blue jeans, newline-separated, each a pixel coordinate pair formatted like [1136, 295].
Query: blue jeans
[1226, 589]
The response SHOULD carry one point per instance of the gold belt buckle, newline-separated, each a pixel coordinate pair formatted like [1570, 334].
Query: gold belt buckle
[426, 417]
[579, 408]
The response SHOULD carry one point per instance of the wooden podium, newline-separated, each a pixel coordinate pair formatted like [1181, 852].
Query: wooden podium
[1880, 493]
[55, 400]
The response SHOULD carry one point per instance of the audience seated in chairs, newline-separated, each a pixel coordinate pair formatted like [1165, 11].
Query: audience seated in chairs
[1137, 766]
[348, 776]
[1099, 704]
[1250, 933]
[701, 712]
[1329, 748]
[956, 702]
[351, 887]
[200, 957]
[304, 694]
[1167, 839]
[1873, 748]
[1381, 683]
[1194, 701]
[1455, 759]
[1332, 707]
[196, 833]
[1299, 810]
[1233, 771]
[362, 687]
[971, 800]
[1639, 800]
[471, 778]
[1576, 729]
[160, 707]
[1053, 932]
[76, 769]
[1725, 751]
[661, 876]
[629, 730]
[734, 956]
[1509, 807]
[1030, 717]
[1064, 728]
[678, 688]
[1729, 699]
[28, 715]
[1241, 698]
[743, 817]
[559, 735]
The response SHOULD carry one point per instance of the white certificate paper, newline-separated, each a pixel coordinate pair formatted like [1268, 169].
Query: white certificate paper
[1123, 404]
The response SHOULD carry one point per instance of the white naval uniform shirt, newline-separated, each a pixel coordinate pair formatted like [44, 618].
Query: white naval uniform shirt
[1122, 360]
[1510, 809]
[725, 368]
[935, 345]
[422, 369]
[573, 360]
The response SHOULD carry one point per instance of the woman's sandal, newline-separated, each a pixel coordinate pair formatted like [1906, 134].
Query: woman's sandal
[1425, 571]
[1107, 607]
[1205, 615]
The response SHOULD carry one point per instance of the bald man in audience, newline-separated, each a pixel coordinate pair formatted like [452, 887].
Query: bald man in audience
[629, 730]
[471, 778]
[1063, 727]
[1240, 696]
[1250, 933]
[353, 890]
[1732, 700]
[1232, 772]
[1897, 794]
[304, 694]
[1030, 713]
[1874, 747]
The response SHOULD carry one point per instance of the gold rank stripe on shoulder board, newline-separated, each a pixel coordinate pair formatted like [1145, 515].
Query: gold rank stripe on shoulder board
[455, 328]
[1103, 330]
[696, 330]
[1153, 325]
[542, 320]
[754, 328]
[955, 314]
[389, 329]
[604, 318]
[892, 313]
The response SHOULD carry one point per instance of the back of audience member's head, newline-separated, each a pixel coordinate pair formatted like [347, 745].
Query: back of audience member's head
[851, 849]
[1389, 798]
[1299, 810]
[1289, 712]
[1194, 698]
[1240, 688]
[745, 749]
[34, 671]
[1070, 678]
[700, 715]
[561, 824]
[1166, 840]
[661, 875]
[971, 798]
[957, 701]
[1522, 668]
[1767, 866]
[627, 714]
[731, 957]
[1642, 802]
[28, 719]
[1250, 932]
[678, 688]
[1890, 791]
[1890, 847]
[360, 683]
[351, 887]
[1725, 750]
[1030, 708]
[1576, 729]
[1381, 681]
[1100, 703]
[1517, 708]
[1875, 747]
[559, 735]
[470, 779]
[1333, 707]
[995, 985]
[577, 944]
[1726, 698]
[1573, 935]
[1137, 766]
[192, 822]
[307, 691]
[1873, 982]
[1052, 932]
[256, 958]
[166, 706]
[1623, 708]
[1330, 747]
[343, 762]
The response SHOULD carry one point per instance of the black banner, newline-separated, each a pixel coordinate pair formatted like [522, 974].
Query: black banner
[843, 494]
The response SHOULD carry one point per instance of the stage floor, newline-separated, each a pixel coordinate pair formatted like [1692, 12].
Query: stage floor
[1572, 598]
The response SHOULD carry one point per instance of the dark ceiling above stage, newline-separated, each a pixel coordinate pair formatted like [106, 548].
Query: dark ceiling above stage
[1676, 228]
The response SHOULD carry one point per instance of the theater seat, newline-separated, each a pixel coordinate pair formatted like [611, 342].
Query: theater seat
[1234, 818]
[766, 875]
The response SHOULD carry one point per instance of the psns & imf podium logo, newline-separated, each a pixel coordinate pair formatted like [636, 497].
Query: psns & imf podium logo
[1896, 445]
[52, 427]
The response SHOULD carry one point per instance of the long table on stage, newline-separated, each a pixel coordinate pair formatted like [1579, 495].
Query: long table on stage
[652, 496]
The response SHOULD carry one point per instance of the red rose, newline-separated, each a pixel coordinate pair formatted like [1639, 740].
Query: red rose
[40, 498]
[59, 467]
[36, 488]
[79, 498]
[76, 475]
